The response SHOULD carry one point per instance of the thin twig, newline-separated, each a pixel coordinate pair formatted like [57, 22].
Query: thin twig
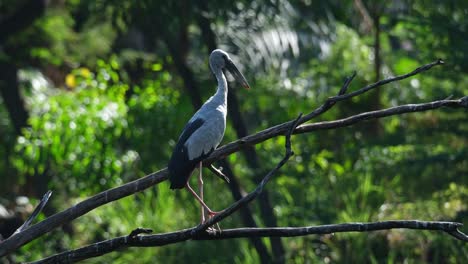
[330, 102]
[35, 213]
[218, 173]
[458, 235]
[389, 80]
[346, 84]
[107, 246]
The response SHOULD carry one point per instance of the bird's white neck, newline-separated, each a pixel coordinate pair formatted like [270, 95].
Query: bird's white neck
[221, 93]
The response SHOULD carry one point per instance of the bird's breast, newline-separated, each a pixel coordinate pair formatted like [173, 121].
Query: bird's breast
[222, 108]
[208, 136]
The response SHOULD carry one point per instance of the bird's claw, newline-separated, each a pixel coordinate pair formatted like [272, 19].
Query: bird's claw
[211, 214]
[211, 229]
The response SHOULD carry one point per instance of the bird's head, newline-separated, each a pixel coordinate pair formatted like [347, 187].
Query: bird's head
[219, 59]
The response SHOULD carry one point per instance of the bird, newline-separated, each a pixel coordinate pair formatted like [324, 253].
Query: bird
[204, 131]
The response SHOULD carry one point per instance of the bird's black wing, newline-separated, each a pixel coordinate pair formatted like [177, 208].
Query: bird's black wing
[189, 129]
[180, 166]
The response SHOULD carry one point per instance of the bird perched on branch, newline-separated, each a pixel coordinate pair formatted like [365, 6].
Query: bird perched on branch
[204, 131]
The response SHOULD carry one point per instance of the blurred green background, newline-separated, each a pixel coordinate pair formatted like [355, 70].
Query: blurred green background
[95, 93]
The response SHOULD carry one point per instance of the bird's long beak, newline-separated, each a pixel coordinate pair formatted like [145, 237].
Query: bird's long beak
[236, 73]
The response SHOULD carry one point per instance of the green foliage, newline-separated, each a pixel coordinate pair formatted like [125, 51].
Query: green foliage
[53, 40]
[119, 106]
[74, 134]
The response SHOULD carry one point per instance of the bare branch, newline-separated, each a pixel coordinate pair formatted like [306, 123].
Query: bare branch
[107, 246]
[397, 110]
[458, 235]
[282, 128]
[389, 80]
[218, 173]
[346, 84]
[81, 208]
[35, 213]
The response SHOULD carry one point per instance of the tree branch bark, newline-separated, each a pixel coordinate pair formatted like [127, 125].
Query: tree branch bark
[10, 92]
[103, 247]
[35, 213]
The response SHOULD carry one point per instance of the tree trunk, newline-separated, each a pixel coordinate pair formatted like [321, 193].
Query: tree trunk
[9, 89]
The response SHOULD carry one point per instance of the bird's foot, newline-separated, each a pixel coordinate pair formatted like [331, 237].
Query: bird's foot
[211, 214]
[214, 229]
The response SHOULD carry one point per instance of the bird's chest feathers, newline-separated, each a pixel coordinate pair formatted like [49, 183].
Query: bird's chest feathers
[208, 136]
[222, 108]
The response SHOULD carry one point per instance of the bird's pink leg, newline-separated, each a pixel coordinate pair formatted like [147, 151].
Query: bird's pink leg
[210, 212]
[200, 186]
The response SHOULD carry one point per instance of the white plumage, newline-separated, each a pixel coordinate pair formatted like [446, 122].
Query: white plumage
[205, 129]
[210, 134]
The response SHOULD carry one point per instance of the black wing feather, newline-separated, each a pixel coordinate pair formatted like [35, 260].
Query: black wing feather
[180, 167]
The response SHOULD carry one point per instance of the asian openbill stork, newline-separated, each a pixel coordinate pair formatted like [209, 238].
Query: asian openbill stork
[204, 131]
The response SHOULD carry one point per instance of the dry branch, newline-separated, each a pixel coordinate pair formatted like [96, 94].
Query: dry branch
[39, 229]
[397, 110]
[81, 208]
[107, 246]
[35, 213]
[219, 173]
